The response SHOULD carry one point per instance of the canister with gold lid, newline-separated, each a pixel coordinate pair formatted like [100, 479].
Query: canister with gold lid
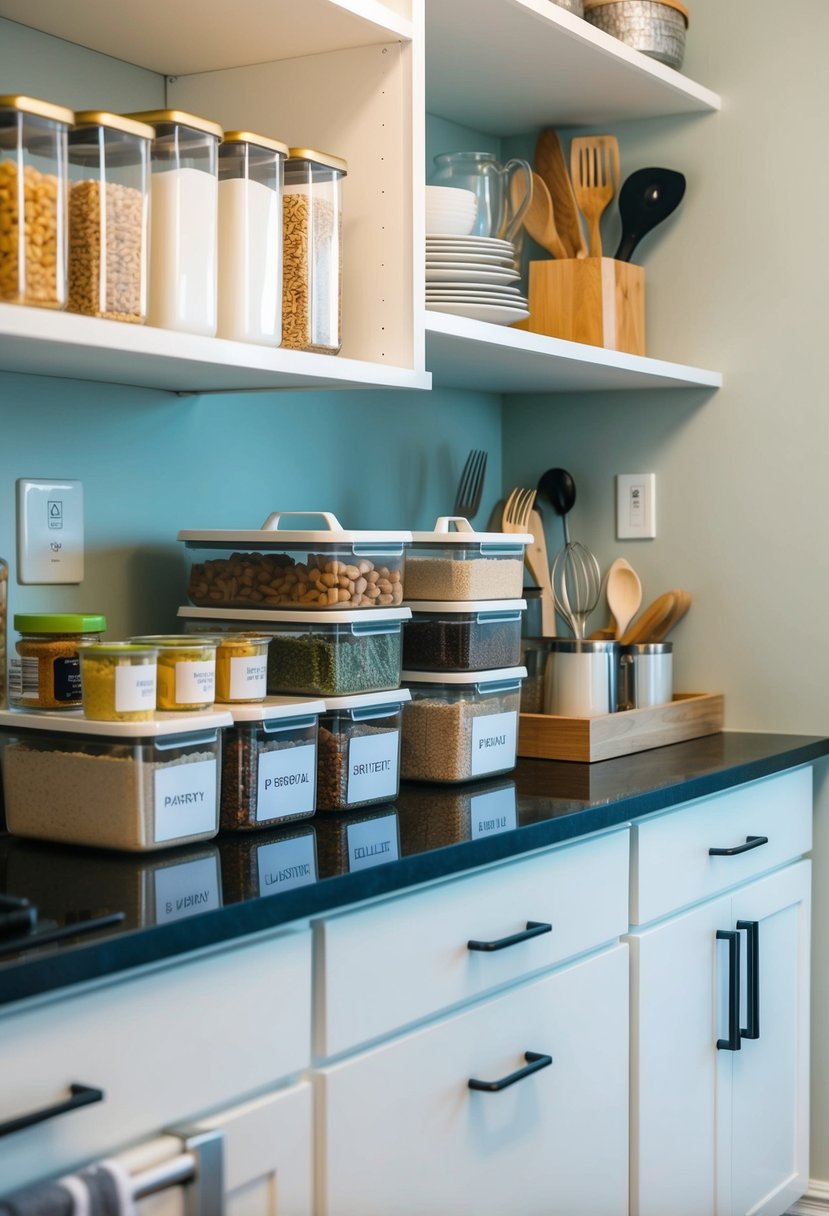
[312, 251]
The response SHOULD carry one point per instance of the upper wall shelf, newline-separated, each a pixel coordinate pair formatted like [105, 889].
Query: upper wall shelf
[507, 66]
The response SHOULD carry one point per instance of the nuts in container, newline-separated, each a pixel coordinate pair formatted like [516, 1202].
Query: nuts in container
[312, 251]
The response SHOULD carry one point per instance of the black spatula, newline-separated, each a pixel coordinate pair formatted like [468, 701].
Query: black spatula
[646, 198]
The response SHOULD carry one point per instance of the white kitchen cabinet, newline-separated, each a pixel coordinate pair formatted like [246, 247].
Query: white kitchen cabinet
[401, 1130]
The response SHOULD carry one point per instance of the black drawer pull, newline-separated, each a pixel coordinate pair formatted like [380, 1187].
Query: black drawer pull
[752, 928]
[535, 1061]
[534, 929]
[752, 842]
[82, 1095]
[732, 1043]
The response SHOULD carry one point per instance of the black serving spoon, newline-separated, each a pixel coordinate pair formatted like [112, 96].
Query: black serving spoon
[646, 198]
[557, 487]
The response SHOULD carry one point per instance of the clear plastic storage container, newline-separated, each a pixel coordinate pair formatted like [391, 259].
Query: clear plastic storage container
[251, 175]
[463, 636]
[186, 670]
[275, 567]
[184, 202]
[109, 182]
[133, 786]
[269, 763]
[241, 667]
[119, 681]
[312, 251]
[358, 750]
[33, 187]
[461, 725]
[460, 564]
[45, 672]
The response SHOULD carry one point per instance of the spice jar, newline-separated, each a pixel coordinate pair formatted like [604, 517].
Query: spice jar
[33, 183]
[46, 674]
[312, 251]
[251, 174]
[241, 667]
[109, 170]
[119, 682]
[186, 671]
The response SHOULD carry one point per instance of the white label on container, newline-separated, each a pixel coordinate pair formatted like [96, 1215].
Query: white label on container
[373, 842]
[185, 800]
[248, 677]
[287, 781]
[492, 812]
[494, 742]
[181, 890]
[134, 687]
[285, 864]
[195, 681]
[373, 767]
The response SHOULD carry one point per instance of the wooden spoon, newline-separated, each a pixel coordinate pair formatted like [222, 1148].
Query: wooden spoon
[539, 220]
[651, 620]
[624, 594]
[538, 564]
[682, 602]
[551, 166]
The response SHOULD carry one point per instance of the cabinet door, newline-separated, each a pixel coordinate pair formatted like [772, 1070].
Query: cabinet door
[403, 1132]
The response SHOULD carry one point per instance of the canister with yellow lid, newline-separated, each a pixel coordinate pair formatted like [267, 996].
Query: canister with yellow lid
[312, 217]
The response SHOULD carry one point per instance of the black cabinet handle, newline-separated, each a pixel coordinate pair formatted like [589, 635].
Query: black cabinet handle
[535, 1062]
[752, 842]
[82, 1095]
[752, 928]
[733, 1042]
[534, 929]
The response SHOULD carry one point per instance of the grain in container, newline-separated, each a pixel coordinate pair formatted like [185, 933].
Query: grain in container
[268, 862]
[358, 749]
[251, 176]
[273, 567]
[109, 211]
[186, 670]
[460, 725]
[312, 251]
[348, 843]
[241, 667]
[269, 763]
[45, 672]
[118, 680]
[434, 816]
[460, 564]
[454, 635]
[184, 203]
[132, 786]
[33, 188]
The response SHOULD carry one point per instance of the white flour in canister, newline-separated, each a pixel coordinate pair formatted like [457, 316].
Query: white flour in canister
[183, 251]
[250, 257]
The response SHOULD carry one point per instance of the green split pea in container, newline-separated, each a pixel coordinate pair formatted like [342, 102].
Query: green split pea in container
[46, 671]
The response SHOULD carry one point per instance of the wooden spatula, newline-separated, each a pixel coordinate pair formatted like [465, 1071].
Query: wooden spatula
[594, 170]
[682, 602]
[651, 620]
[551, 166]
[538, 564]
[539, 219]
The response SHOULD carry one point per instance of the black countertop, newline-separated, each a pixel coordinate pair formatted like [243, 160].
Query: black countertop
[180, 900]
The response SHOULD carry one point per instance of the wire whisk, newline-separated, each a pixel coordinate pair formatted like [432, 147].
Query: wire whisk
[576, 581]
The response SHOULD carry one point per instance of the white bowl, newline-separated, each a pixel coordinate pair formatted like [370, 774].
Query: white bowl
[450, 194]
[450, 225]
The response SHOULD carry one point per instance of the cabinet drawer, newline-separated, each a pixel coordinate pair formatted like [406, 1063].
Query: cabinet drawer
[164, 1047]
[391, 964]
[671, 864]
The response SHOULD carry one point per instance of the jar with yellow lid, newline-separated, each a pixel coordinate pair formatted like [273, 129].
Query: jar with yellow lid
[241, 667]
[312, 251]
[186, 670]
[109, 177]
[45, 672]
[33, 186]
[119, 681]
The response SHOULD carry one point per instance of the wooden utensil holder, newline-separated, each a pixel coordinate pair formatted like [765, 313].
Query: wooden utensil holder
[598, 301]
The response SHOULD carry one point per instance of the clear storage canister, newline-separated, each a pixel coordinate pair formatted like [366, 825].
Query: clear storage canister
[186, 670]
[358, 750]
[109, 181]
[184, 203]
[33, 186]
[119, 682]
[251, 176]
[46, 670]
[312, 251]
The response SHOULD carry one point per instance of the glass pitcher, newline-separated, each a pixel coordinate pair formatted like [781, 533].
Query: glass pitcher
[503, 191]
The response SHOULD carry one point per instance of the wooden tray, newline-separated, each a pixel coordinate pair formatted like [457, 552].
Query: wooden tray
[689, 716]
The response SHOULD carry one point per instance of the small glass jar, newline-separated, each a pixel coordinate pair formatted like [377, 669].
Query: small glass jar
[119, 682]
[251, 175]
[109, 171]
[186, 670]
[33, 185]
[312, 251]
[46, 672]
[241, 667]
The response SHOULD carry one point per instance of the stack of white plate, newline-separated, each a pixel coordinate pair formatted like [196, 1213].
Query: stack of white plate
[450, 209]
[474, 276]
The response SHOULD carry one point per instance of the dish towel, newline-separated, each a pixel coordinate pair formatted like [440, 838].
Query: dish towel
[103, 1189]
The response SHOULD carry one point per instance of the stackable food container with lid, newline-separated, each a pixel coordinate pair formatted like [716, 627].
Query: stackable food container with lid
[460, 725]
[312, 251]
[132, 786]
[358, 749]
[33, 188]
[461, 564]
[109, 184]
[251, 177]
[458, 635]
[184, 199]
[273, 567]
[269, 763]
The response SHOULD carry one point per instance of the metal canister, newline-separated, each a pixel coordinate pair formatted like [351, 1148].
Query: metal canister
[645, 674]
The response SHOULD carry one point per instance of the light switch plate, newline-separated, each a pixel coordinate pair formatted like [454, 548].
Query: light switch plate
[49, 531]
[635, 506]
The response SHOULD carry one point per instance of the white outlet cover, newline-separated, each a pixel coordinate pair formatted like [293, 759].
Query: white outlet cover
[50, 536]
[635, 506]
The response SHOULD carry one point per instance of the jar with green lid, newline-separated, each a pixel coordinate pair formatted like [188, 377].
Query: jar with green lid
[118, 681]
[46, 671]
[186, 670]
